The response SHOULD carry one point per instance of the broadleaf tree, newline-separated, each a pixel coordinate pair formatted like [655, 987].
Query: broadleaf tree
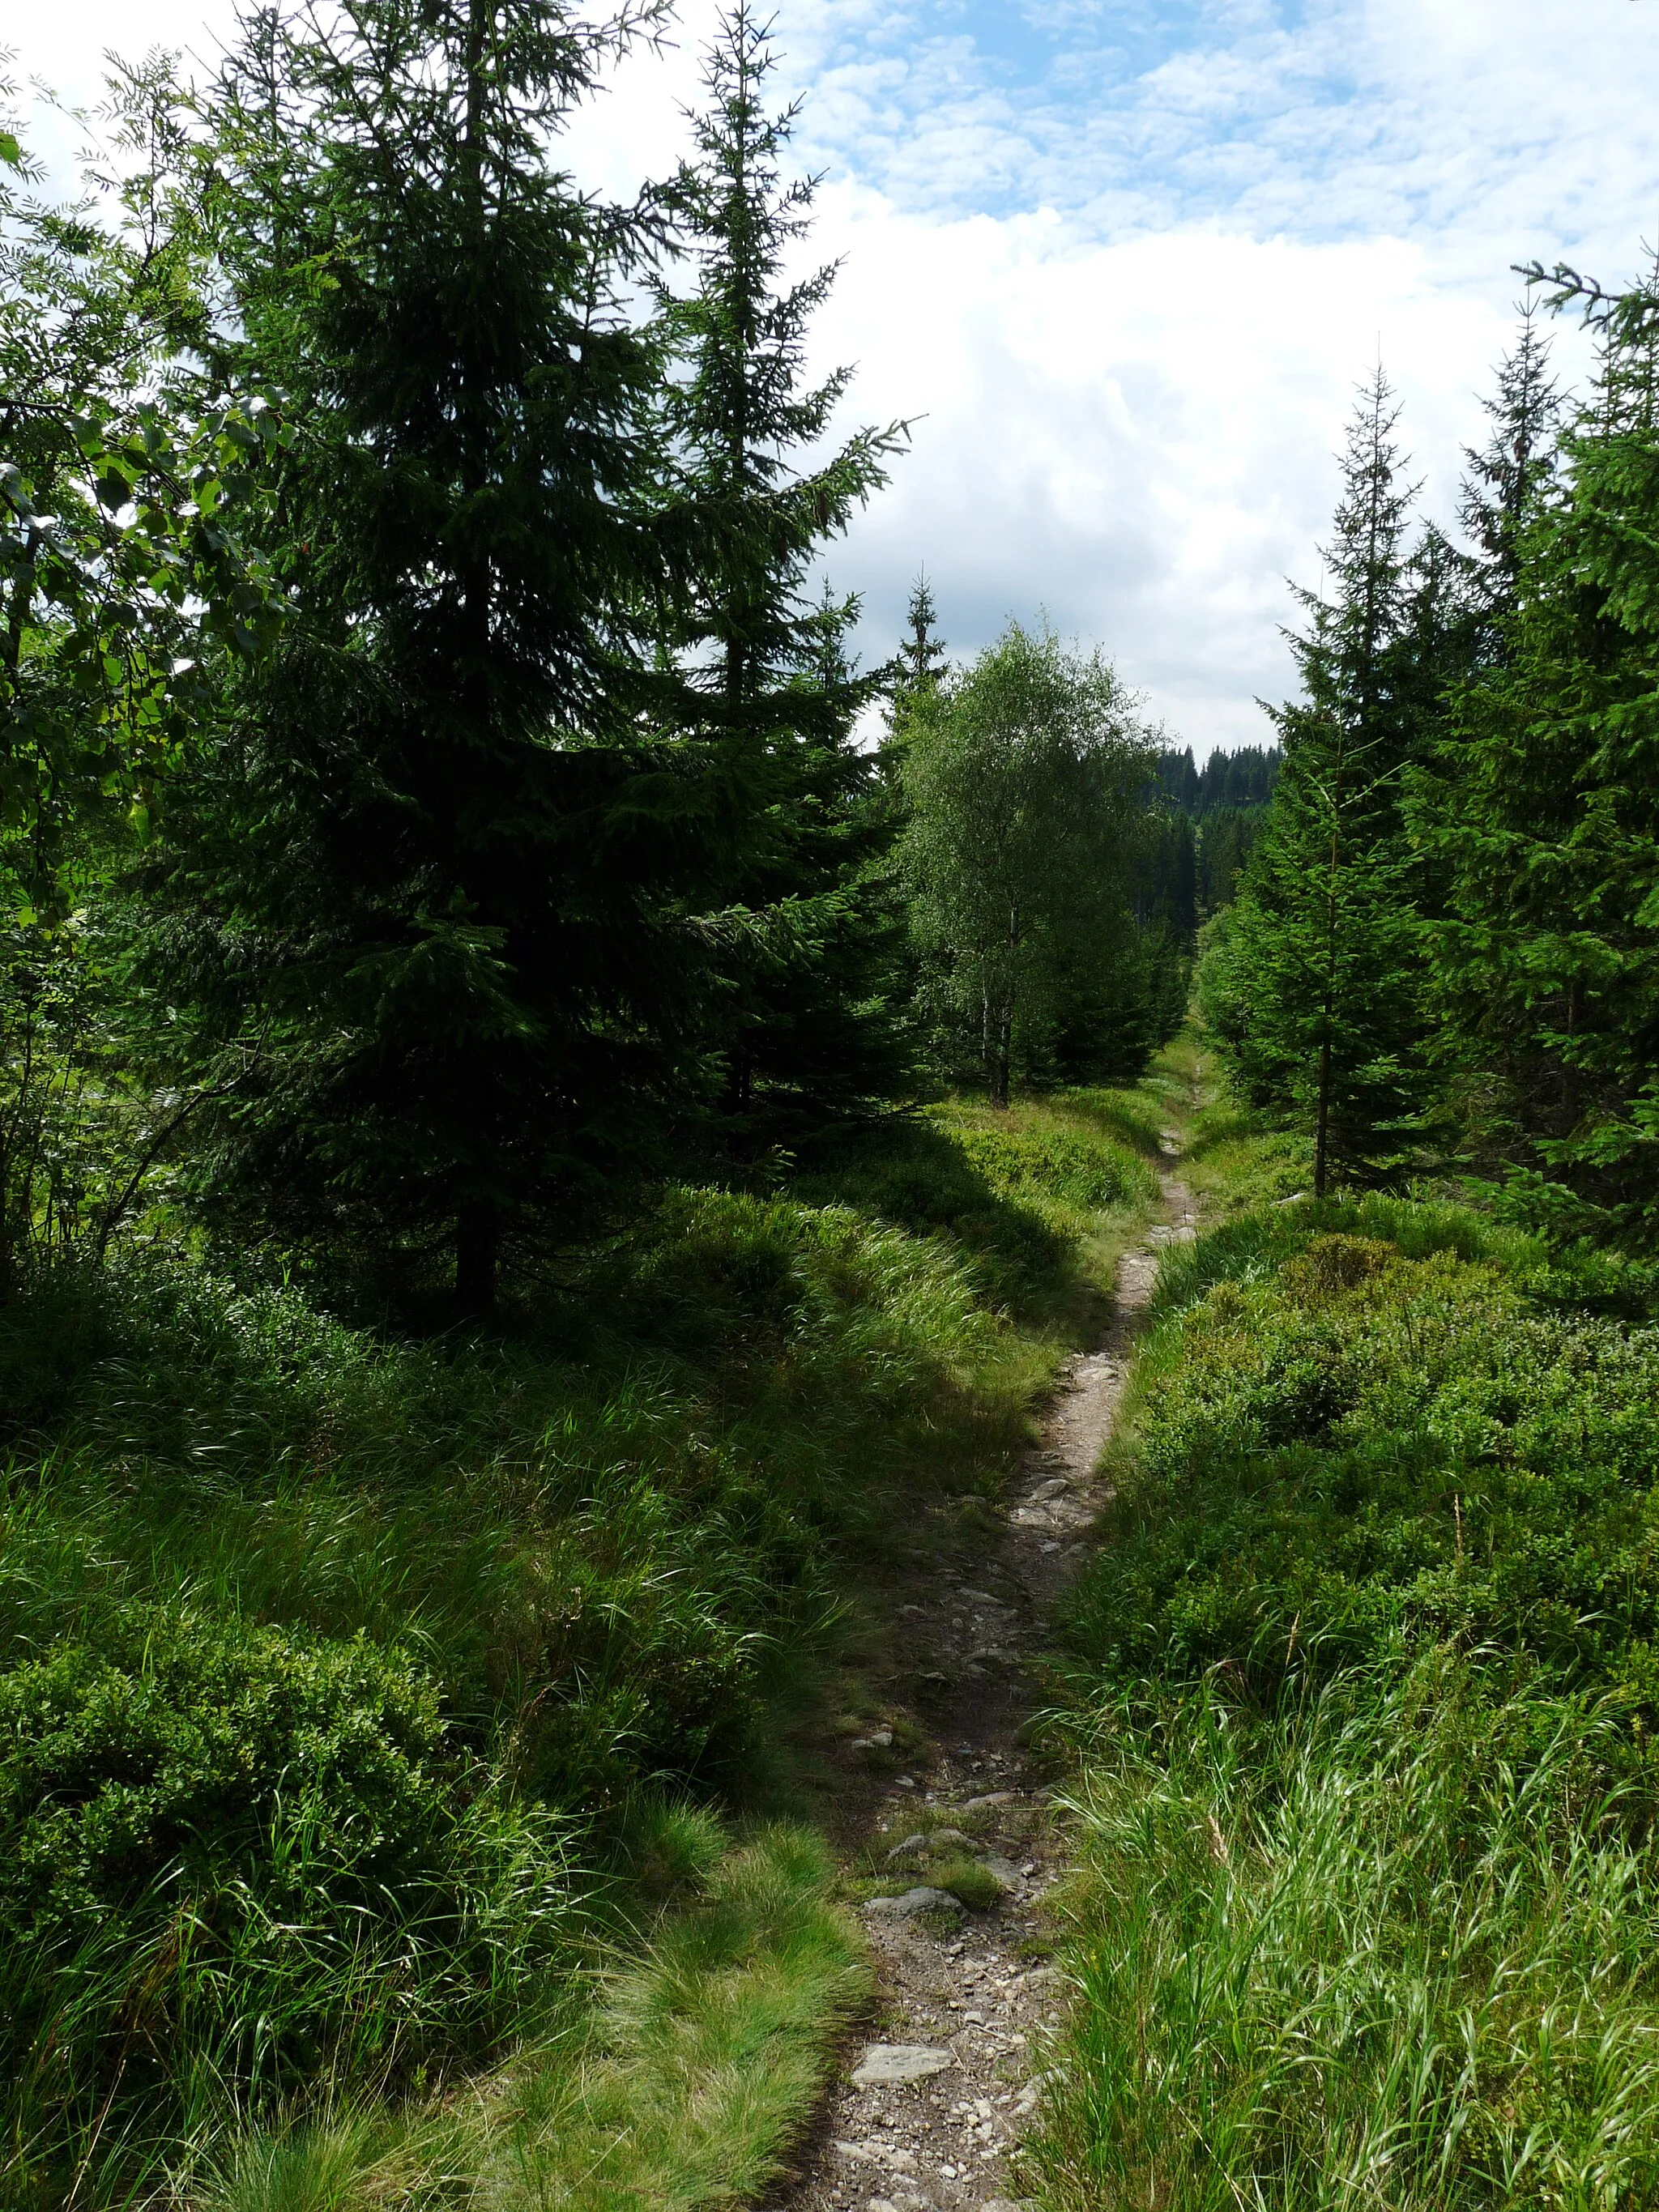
[127, 490]
[1022, 779]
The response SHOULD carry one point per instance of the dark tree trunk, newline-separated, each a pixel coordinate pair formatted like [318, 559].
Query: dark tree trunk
[478, 1258]
[1322, 1122]
[1322, 1129]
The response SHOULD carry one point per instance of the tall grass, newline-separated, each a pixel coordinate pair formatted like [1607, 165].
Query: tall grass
[1018, 1194]
[1362, 1698]
[685, 2084]
[1394, 1947]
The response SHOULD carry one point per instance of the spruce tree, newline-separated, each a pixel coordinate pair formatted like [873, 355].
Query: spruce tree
[808, 1018]
[426, 893]
[1542, 809]
[1508, 478]
[923, 656]
[1316, 986]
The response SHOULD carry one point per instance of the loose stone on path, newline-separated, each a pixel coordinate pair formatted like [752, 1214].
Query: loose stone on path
[900, 2062]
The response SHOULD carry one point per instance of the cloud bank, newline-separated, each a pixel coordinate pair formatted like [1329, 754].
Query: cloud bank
[1126, 260]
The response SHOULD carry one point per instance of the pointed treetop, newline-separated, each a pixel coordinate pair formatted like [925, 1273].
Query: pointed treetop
[922, 655]
[1508, 476]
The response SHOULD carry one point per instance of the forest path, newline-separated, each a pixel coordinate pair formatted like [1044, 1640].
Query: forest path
[933, 2107]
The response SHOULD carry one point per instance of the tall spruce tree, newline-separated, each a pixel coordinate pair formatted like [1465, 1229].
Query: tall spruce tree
[1316, 984]
[1542, 804]
[809, 1015]
[426, 889]
[1507, 477]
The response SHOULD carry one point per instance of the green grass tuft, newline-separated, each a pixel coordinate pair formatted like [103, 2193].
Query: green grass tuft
[967, 1880]
[1393, 1949]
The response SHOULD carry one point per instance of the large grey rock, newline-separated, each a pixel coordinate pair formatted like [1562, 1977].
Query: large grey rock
[920, 1899]
[934, 1840]
[900, 2062]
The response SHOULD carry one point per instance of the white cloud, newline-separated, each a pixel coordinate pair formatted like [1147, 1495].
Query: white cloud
[1130, 272]
[1136, 437]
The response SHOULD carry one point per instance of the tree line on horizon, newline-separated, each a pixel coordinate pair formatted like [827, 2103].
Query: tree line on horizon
[1444, 954]
[431, 797]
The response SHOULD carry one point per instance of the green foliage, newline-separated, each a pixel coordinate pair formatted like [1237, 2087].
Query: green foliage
[236, 1856]
[1216, 815]
[1360, 1694]
[1021, 778]
[1052, 1164]
[705, 2058]
[686, 2086]
[923, 662]
[315, 1646]
[1394, 1948]
[430, 899]
[1313, 980]
[1345, 1448]
[1538, 810]
[129, 499]
[804, 1023]
[1015, 1193]
[1234, 1162]
[126, 497]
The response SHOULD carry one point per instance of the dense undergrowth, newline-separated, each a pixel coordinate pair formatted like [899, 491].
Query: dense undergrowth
[345, 1679]
[1363, 1689]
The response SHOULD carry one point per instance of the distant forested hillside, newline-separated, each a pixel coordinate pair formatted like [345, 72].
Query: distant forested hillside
[1204, 825]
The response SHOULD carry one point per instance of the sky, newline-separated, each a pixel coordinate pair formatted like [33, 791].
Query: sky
[1122, 265]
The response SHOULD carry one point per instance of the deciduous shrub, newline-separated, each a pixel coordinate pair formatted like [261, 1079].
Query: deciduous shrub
[240, 1853]
[1344, 1446]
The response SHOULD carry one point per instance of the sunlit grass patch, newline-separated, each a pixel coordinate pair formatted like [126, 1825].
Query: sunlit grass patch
[1394, 1948]
[686, 2084]
[1033, 1198]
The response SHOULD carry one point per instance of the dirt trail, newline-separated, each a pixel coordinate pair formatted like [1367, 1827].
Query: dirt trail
[938, 2098]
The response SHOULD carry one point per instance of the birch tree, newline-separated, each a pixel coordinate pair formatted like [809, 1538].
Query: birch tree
[1022, 778]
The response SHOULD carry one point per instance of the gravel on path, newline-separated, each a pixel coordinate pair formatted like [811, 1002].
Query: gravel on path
[927, 2116]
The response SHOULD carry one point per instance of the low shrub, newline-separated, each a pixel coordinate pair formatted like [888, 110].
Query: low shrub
[1349, 1445]
[233, 1854]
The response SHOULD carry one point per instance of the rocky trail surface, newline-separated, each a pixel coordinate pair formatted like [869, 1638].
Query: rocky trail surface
[931, 2112]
